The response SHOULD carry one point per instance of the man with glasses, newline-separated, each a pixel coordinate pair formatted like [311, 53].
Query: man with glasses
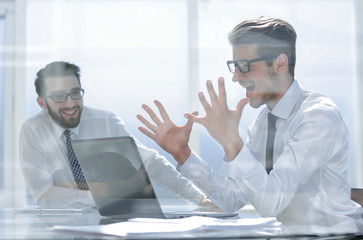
[294, 162]
[51, 170]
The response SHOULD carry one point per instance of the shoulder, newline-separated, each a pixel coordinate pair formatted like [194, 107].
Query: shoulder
[94, 113]
[39, 120]
[89, 113]
[96, 123]
[315, 103]
[319, 110]
[37, 126]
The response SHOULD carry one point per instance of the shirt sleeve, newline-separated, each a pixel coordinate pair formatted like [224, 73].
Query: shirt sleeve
[61, 197]
[222, 190]
[40, 181]
[318, 138]
[159, 169]
[164, 174]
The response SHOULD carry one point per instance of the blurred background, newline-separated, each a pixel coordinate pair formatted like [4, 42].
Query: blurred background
[134, 51]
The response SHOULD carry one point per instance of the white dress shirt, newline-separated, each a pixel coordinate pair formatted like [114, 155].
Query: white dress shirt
[46, 169]
[308, 183]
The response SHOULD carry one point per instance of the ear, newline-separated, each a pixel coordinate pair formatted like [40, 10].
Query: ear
[281, 63]
[41, 103]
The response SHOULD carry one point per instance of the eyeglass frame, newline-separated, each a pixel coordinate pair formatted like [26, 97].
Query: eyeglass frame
[81, 91]
[259, 59]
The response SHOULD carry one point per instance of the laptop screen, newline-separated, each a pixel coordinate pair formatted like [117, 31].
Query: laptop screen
[116, 176]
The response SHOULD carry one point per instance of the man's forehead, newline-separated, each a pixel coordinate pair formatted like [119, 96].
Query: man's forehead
[61, 83]
[244, 52]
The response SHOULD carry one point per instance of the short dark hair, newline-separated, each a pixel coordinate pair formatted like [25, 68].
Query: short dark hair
[55, 69]
[272, 36]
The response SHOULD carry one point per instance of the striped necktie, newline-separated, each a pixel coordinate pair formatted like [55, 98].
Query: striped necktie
[73, 161]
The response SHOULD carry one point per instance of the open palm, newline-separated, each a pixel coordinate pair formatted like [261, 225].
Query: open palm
[221, 122]
[170, 137]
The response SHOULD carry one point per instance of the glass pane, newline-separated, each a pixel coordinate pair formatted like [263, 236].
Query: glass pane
[325, 54]
[2, 43]
[130, 52]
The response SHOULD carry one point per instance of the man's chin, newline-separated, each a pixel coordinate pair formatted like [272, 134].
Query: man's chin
[71, 124]
[254, 104]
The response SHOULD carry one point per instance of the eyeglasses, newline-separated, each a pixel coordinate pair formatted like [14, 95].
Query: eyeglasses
[244, 65]
[62, 97]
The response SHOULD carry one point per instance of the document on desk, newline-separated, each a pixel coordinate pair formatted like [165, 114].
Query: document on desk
[146, 227]
[50, 211]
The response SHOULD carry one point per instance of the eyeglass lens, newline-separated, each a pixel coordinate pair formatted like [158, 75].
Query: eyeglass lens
[243, 66]
[62, 97]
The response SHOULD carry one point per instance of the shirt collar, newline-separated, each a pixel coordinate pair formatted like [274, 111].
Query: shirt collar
[286, 104]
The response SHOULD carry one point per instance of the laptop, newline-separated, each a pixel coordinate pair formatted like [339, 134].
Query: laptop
[119, 182]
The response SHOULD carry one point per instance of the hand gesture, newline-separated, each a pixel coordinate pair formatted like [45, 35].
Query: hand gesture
[222, 123]
[173, 139]
[208, 206]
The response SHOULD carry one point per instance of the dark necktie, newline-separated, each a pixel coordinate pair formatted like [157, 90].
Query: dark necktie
[270, 141]
[73, 161]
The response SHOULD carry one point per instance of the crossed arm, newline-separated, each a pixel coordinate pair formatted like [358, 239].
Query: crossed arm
[221, 122]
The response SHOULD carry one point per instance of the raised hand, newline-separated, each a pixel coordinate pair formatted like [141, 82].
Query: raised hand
[222, 123]
[172, 138]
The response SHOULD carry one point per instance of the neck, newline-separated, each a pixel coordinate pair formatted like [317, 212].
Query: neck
[285, 84]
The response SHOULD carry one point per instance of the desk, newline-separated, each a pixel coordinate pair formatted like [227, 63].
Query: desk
[16, 225]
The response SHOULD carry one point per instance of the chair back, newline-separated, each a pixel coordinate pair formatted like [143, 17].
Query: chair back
[357, 195]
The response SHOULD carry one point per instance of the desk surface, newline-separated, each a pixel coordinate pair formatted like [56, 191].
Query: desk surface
[39, 225]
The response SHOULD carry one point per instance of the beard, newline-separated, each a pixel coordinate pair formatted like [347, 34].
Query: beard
[269, 93]
[63, 122]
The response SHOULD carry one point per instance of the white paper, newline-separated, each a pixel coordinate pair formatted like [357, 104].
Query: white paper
[51, 211]
[195, 224]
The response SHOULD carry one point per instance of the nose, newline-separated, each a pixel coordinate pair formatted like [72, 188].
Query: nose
[238, 75]
[69, 102]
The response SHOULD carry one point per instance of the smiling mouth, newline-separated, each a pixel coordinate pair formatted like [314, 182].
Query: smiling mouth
[248, 86]
[70, 112]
